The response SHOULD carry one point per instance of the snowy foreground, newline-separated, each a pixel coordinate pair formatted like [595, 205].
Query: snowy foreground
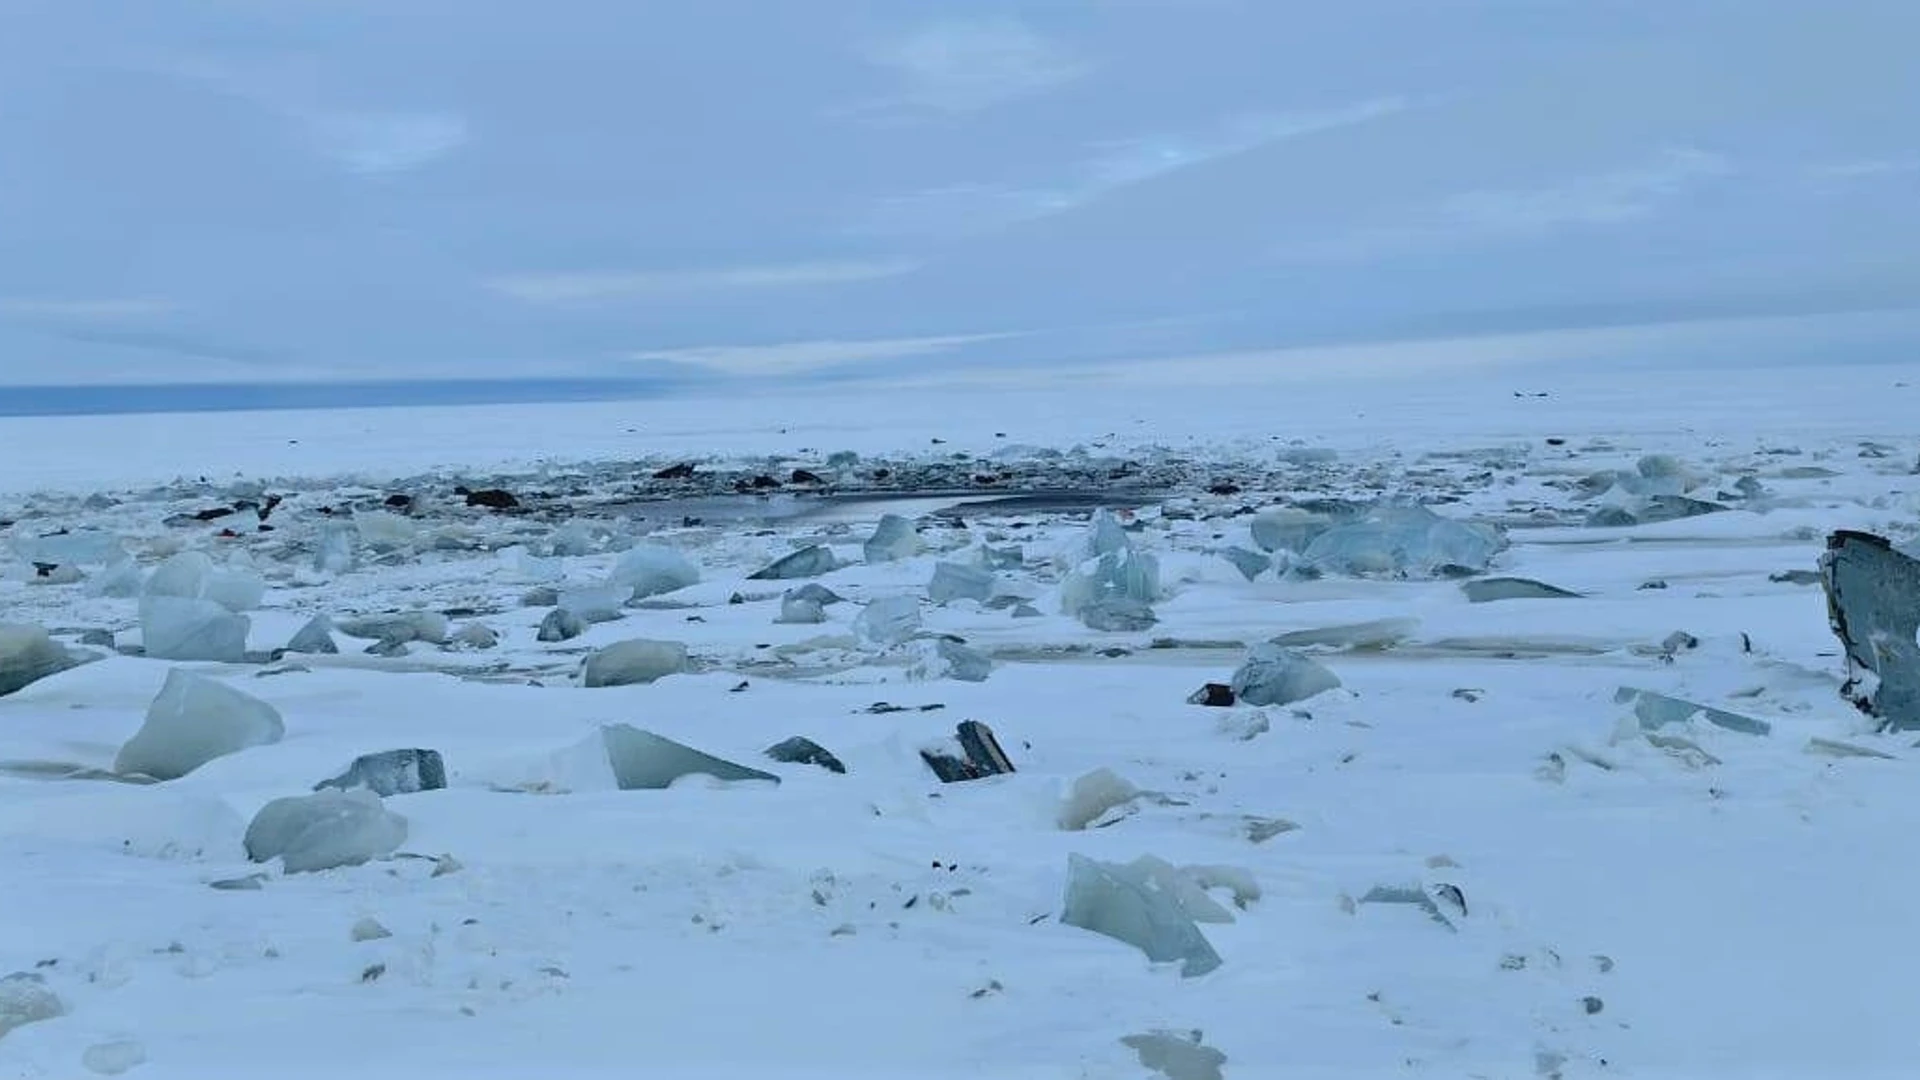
[1469, 859]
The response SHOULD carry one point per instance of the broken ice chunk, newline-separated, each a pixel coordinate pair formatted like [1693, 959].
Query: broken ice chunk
[1092, 796]
[561, 625]
[642, 760]
[957, 581]
[1364, 636]
[1177, 1055]
[595, 603]
[1656, 711]
[1276, 675]
[1412, 896]
[889, 620]
[1651, 510]
[333, 552]
[1873, 606]
[1251, 564]
[193, 720]
[804, 751]
[1125, 903]
[192, 575]
[1118, 615]
[25, 999]
[315, 638]
[892, 539]
[636, 660]
[815, 592]
[800, 609]
[383, 531]
[400, 627]
[1404, 541]
[85, 547]
[944, 659]
[1486, 590]
[1127, 573]
[324, 830]
[1288, 529]
[29, 654]
[651, 570]
[177, 628]
[810, 561]
[120, 580]
[392, 772]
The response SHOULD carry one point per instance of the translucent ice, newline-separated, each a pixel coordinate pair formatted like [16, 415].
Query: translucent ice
[121, 581]
[944, 659]
[402, 626]
[642, 760]
[28, 654]
[1487, 590]
[324, 830]
[651, 570]
[193, 720]
[1276, 675]
[383, 531]
[25, 999]
[636, 660]
[810, 561]
[192, 575]
[85, 547]
[1124, 574]
[1092, 796]
[889, 620]
[1655, 711]
[1404, 541]
[596, 603]
[315, 638]
[1251, 564]
[176, 628]
[113, 1057]
[334, 551]
[892, 539]
[1124, 902]
[1177, 1055]
[561, 625]
[800, 609]
[957, 581]
[1288, 529]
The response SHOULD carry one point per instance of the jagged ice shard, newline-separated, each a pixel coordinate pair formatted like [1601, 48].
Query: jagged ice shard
[1873, 604]
[1127, 903]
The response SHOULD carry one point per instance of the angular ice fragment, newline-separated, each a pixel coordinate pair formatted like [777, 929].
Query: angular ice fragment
[1656, 711]
[1105, 535]
[992, 558]
[315, 638]
[1126, 575]
[957, 581]
[892, 539]
[1251, 564]
[636, 660]
[1124, 902]
[121, 581]
[944, 659]
[192, 575]
[530, 567]
[652, 570]
[392, 772]
[800, 609]
[1412, 896]
[1365, 636]
[810, 561]
[1177, 1055]
[383, 531]
[561, 625]
[476, 635]
[1873, 606]
[596, 603]
[324, 830]
[333, 552]
[83, 547]
[815, 592]
[193, 720]
[399, 627]
[580, 537]
[1486, 590]
[644, 761]
[29, 654]
[1276, 675]
[889, 620]
[1288, 529]
[1092, 796]
[803, 751]
[25, 999]
[176, 628]
[1117, 614]
[1404, 541]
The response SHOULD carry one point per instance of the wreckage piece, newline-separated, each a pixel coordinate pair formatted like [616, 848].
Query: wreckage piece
[1127, 903]
[1655, 711]
[643, 761]
[983, 756]
[1873, 605]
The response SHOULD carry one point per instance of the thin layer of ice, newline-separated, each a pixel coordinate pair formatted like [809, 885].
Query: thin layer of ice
[642, 760]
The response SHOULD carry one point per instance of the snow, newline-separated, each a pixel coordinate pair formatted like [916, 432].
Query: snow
[1690, 900]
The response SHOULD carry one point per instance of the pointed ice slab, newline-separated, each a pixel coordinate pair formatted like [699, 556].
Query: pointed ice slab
[893, 539]
[193, 720]
[1873, 605]
[315, 638]
[1487, 590]
[28, 654]
[1125, 903]
[651, 570]
[889, 620]
[644, 761]
[324, 830]
[958, 581]
[1404, 541]
[1656, 711]
[178, 628]
[810, 561]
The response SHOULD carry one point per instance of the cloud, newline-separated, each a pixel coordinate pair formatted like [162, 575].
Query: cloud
[592, 287]
[1866, 169]
[799, 357]
[387, 142]
[962, 66]
[1605, 199]
[85, 310]
[1110, 166]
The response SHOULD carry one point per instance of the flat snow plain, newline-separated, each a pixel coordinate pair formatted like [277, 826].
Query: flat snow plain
[1727, 906]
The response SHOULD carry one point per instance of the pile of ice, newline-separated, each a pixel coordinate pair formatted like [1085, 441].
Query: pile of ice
[1114, 585]
[1385, 540]
[190, 609]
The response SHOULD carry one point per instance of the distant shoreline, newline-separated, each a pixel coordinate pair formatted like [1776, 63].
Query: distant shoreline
[135, 398]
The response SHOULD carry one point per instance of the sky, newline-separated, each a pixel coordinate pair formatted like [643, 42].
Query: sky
[235, 191]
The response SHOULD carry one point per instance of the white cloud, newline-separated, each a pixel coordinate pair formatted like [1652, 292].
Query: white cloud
[591, 287]
[387, 142]
[1867, 169]
[959, 66]
[797, 357]
[1111, 166]
[87, 310]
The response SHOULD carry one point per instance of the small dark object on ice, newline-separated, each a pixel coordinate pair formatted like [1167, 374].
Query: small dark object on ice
[493, 499]
[984, 756]
[1218, 695]
[682, 471]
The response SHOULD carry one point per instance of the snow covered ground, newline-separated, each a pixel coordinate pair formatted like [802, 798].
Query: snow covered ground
[1702, 902]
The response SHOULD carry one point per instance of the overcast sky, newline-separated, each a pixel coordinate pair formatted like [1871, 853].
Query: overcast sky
[244, 190]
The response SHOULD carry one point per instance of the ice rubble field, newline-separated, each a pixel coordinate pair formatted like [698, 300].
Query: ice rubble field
[1589, 900]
